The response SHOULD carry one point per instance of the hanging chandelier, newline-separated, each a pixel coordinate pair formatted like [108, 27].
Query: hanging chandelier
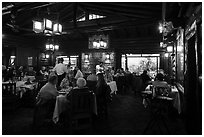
[47, 25]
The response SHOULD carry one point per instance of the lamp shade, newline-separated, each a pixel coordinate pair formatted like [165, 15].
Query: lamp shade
[94, 43]
[48, 28]
[47, 46]
[57, 29]
[102, 43]
[47, 56]
[37, 26]
[107, 56]
[56, 47]
[51, 46]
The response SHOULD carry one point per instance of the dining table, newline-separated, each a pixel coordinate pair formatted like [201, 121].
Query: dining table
[22, 87]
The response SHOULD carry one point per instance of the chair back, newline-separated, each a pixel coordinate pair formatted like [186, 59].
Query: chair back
[8, 89]
[81, 101]
[91, 85]
[161, 91]
[41, 83]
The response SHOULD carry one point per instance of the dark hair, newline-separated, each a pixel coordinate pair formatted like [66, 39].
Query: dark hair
[52, 78]
[145, 71]
[160, 77]
[60, 60]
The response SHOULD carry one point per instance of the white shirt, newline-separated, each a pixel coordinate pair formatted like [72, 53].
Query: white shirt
[99, 69]
[60, 69]
[79, 74]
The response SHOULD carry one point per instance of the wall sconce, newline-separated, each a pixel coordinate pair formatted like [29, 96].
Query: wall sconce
[99, 41]
[13, 57]
[161, 44]
[47, 56]
[169, 49]
[86, 57]
[50, 45]
[107, 56]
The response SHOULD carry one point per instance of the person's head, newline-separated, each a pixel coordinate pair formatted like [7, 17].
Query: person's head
[43, 68]
[160, 77]
[68, 66]
[61, 60]
[30, 68]
[81, 82]
[53, 79]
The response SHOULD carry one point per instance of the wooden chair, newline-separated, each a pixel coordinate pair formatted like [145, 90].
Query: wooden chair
[81, 110]
[43, 112]
[91, 85]
[10, 98]
[159, 106]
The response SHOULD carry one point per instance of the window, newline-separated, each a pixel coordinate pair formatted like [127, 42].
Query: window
[91, 17]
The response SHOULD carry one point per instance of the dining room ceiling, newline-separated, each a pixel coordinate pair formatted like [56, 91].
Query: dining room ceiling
[119, 15]
[130, 24]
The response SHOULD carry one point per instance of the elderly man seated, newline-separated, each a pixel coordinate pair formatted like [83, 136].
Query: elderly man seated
[45, 101]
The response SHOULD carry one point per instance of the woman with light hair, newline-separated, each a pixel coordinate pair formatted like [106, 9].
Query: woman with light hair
[81, 83]
[81, 87]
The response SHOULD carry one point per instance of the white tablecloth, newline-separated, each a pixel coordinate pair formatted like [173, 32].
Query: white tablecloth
[21, 87]
[60, 106]
[113, 87]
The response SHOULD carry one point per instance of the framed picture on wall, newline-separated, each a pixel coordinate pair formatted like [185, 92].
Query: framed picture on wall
[30, 61]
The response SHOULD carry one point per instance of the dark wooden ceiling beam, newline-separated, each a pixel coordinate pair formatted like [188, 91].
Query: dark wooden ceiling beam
[137, 10]
[36, 6]
[66, 9]
[101, 11]
[75, 15]
[94, 23]
[137, 5]
[124, 11]
[109, 12]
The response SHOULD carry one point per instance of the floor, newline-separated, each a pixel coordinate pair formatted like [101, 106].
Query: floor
[126, 116]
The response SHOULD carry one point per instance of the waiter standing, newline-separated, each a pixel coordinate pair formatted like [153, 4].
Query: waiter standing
[60, 70]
